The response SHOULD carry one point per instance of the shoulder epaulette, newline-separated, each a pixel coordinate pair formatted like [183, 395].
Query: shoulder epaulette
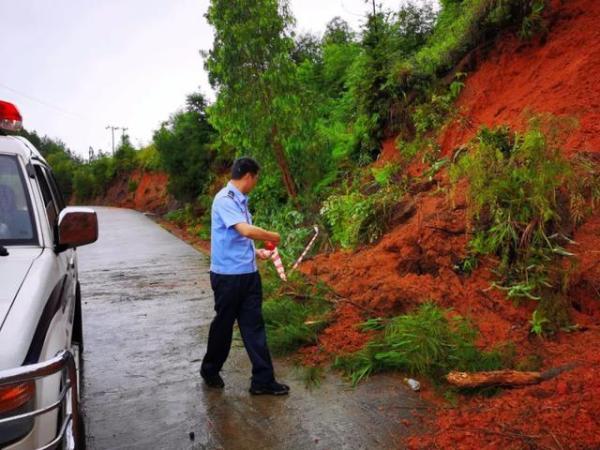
[231, 194]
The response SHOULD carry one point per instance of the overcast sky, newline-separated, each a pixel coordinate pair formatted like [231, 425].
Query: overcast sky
[75, 66]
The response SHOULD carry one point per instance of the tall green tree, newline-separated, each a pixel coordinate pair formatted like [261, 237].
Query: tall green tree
[184, 146]
[63, 161]
[251, 67]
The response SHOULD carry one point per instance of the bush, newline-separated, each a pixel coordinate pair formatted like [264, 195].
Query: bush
[125, 158]
[182, 216]
[524, 198]
[294, 313]
[148, 158]
[83, 184]
[132, 186]
[426, 343]
[355, 218]
[515, 184]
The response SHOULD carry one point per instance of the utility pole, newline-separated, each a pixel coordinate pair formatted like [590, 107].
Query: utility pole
[91, 154]
[123, 130]
[112, 132]
[374, 10]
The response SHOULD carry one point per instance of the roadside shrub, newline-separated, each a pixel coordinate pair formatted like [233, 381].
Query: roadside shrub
[148, 158]
[355, 218]
[524, 198]
[182, 216]
[83, 184]
[125, 157]
[514, 182]
[132, 185]
[427, 343]
[294, 312]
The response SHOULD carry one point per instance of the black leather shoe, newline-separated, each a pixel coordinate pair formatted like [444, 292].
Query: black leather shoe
[273, 388]
[213, 380]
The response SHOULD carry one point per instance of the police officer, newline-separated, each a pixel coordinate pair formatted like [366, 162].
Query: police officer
[236, 283]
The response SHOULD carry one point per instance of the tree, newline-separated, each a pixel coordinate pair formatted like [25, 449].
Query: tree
[250, 66]
[62, 160]
[338, 31]
[307, 48]
[125, 155]
[184, 147]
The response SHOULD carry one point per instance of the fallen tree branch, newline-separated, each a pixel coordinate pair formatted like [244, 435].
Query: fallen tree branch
[503, 377]
[493, 378]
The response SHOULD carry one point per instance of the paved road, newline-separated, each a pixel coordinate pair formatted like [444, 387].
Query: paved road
[147, 309]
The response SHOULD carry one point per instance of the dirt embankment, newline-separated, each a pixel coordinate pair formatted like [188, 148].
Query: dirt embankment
[140, 190]
[558, 75]
[415, 262]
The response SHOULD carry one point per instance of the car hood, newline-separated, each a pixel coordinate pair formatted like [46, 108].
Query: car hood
[13, 270]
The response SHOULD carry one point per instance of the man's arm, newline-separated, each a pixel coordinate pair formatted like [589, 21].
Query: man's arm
[257, 233]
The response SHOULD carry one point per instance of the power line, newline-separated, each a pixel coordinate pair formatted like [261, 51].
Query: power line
[348, 11]
[42, 102]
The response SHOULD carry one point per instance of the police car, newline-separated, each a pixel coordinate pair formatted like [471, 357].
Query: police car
[40, 300]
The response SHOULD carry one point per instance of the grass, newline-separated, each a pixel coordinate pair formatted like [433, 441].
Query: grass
[294, 311]
[524, 199]
[311, 376]
[427, 342]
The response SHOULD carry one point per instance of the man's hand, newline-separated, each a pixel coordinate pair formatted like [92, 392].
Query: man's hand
[257, 233]
[262, 253]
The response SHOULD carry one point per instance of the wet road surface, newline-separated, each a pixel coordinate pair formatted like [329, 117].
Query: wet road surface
[147, 309]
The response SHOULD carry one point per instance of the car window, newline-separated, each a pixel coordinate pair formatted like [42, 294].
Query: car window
[58, 197]
[49, 205]
[16, 218]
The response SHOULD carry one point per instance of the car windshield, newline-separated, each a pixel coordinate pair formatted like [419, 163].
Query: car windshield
[16, 224]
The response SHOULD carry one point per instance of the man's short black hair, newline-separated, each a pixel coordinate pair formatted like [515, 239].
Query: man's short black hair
[242, 166]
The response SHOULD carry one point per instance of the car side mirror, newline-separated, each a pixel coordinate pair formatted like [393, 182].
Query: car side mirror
[76, 226]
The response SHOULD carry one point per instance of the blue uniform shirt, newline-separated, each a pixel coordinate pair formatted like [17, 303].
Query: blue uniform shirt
[230, 252]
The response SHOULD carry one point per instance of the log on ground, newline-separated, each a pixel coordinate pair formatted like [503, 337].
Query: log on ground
[493, 378]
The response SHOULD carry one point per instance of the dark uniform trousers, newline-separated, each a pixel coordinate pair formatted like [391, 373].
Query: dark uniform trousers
[238, 297]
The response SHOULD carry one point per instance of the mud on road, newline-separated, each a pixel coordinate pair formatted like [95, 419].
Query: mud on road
[147, 308]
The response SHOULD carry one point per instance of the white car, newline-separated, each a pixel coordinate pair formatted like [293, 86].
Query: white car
[40, 302]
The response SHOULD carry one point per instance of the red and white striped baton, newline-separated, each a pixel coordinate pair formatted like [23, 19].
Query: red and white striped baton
[306, 249]
[276, 260]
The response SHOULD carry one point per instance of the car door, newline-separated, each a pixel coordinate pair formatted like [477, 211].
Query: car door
[53, 204]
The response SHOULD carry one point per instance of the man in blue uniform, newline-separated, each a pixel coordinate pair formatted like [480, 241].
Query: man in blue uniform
[236, 283]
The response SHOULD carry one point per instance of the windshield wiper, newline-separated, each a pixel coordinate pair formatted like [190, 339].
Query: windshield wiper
[3, 251]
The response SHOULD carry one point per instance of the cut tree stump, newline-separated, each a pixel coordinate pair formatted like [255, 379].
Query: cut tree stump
[493, 378]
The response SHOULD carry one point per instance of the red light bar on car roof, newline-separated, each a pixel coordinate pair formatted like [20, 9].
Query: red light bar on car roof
[10, 117]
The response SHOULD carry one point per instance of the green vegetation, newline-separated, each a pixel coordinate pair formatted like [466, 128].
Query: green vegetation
[311, 376]
[258, 106]
[294, 313]
[63, 161]
[428, 342]
[524, 198]
[184, 145]
[356, 218]
[313, 110]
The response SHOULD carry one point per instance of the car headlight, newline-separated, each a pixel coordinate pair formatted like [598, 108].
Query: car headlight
[16, 399]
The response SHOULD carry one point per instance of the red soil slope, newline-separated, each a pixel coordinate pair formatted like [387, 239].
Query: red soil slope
[150, 193]
[414, 262]
[559, 76]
